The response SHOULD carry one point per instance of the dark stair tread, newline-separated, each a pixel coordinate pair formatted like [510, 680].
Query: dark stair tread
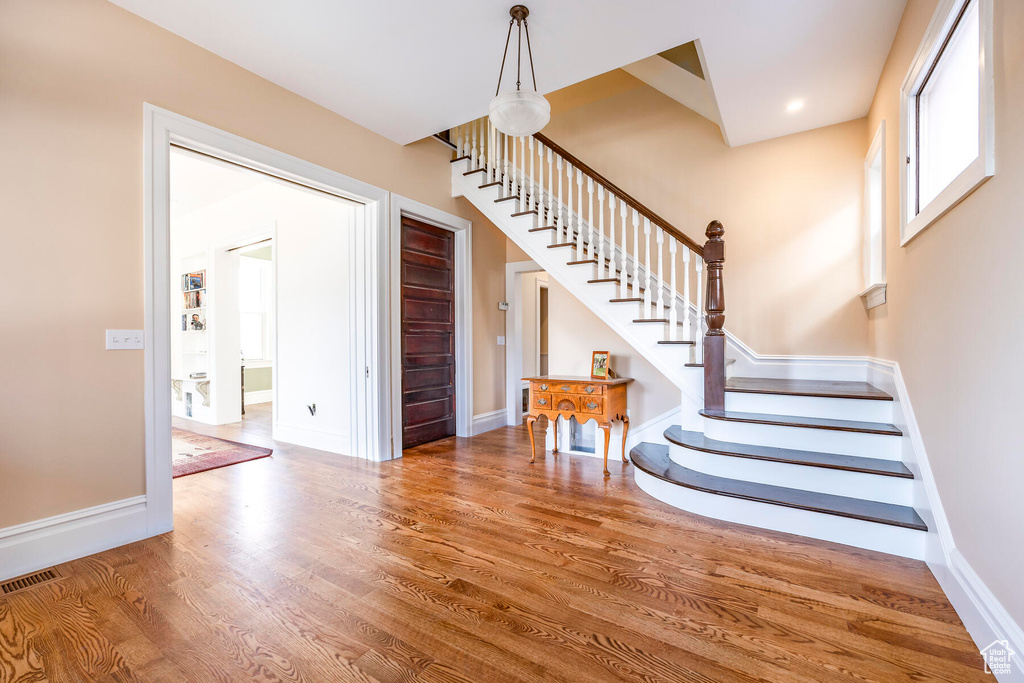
[459, 158]
[581, 262]
[506, 199]
[653, 459]
[492, 184]
[806, 387]
[676, 341]
[475, 170]
[693, 365]
[808, 422]
[561, 245]
[849, 463]
[525, 213]
[542, 229]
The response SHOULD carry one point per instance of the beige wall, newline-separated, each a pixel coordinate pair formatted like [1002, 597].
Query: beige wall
[954, 318]
[73, 78]
[791, 209]
[574, 333]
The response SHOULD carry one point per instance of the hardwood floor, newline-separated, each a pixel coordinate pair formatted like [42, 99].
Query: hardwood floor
[461, 562]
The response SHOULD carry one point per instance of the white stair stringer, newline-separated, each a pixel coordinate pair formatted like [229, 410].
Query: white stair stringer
[670, 360]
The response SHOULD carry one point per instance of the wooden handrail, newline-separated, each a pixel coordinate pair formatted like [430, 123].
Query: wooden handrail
[621, 194]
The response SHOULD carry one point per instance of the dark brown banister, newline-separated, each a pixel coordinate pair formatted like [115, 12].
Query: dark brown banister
[714, 339]
[620, 193]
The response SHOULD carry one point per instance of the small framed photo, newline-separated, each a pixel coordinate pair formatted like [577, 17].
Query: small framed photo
[197, 280]
[599, 365]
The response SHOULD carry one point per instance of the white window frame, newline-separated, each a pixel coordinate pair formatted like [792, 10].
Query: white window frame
[266, 297]
[983, 166]
[874, 292]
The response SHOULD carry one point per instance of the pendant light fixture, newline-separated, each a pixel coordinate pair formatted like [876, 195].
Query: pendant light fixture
[519, 112]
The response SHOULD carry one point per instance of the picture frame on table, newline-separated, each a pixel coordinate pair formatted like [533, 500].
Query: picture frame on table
[600, 367]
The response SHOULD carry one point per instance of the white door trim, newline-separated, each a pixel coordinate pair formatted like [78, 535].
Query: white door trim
[462, 228]
[514, 339]
[366, 260]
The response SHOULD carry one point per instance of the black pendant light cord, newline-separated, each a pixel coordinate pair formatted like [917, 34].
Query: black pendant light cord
[529, 51]
[503, 56]
[519, 55]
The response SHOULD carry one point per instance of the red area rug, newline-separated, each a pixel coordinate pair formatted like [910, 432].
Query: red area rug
[192, 453]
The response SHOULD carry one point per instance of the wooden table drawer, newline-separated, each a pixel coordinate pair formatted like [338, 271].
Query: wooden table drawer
[578, 388]
[541, 400]
[591, 405]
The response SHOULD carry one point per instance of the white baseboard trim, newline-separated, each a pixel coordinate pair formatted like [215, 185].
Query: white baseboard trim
[983, 615]
[332, 442]
[32, 546]
[485, 422]
[263, 396]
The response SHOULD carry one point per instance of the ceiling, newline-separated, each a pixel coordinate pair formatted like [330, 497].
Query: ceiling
[197, 182]
[408, 68]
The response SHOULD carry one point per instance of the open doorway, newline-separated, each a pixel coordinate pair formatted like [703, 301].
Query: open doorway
[526, 342]
[260, 319]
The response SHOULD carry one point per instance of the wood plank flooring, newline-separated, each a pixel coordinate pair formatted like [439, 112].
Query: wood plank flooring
[461, 562]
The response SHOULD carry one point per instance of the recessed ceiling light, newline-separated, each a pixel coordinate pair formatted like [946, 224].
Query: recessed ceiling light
[795, 105]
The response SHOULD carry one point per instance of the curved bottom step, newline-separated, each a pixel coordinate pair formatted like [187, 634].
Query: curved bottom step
[893, 529]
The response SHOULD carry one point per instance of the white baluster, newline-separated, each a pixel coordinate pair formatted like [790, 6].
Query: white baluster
[458, 141]
[473, 153]
[623, 276]
[531, 200]
[483, 151]
[686, 293]
[540, 183]
[636, 253]
[600, 233]
[590, 217]
[515, 169]
[661, 273]
[551, 189]
[673, 316]
[559, 222]
[580, 254]
[523, 180]
[611, 236]
[506, 177]
[698, 346]
[649, 269]
[491, 154]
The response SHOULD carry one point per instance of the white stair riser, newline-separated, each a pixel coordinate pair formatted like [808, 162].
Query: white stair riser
[861, 485]
[854, 532]
[810, 406]
[805, 439]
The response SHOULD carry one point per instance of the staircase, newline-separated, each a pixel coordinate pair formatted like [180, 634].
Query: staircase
[813, 457]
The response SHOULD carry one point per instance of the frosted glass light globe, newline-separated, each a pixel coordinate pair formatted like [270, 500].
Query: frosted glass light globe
[520, 112]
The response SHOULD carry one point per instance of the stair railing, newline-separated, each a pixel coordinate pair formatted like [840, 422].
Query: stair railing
[520, 166]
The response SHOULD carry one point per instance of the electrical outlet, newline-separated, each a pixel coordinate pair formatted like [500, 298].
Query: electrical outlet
[125, 339]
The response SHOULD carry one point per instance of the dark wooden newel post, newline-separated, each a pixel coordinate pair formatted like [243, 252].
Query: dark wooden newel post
[714, 339]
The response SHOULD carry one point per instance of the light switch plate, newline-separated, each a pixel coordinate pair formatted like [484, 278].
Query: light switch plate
[125, 339]
[501, 341]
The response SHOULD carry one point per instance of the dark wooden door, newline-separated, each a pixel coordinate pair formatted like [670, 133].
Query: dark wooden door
[428, 333]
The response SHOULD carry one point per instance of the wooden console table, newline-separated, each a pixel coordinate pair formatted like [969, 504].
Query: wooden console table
[603, 400]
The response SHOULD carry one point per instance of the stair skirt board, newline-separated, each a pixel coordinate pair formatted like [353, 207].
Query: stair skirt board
[806, 439]
[807, 478]
[810, 406]
[853, 532]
